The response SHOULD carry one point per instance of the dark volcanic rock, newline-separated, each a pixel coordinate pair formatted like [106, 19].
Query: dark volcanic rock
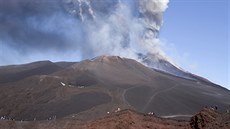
[209, 118]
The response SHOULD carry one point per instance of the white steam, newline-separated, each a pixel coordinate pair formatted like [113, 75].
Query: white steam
[126, 28]
[85, 28]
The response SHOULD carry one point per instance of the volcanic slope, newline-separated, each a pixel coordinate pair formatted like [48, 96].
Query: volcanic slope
[91, 88]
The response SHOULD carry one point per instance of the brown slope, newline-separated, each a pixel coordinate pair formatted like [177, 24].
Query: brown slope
[15, 73]
[42, 97]
[124, 83]
[64, 64]
[147, 90]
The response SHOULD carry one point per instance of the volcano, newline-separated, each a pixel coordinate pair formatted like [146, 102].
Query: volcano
[93, 88]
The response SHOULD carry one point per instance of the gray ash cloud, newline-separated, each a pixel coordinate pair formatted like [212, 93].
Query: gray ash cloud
[76, 29]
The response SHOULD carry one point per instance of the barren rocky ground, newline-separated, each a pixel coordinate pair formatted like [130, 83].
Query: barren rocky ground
[129, 119]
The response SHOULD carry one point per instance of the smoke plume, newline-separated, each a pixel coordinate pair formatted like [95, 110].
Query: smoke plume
[72, 30]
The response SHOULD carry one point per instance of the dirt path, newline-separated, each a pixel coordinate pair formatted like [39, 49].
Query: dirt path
[124, 92]
[157, 93]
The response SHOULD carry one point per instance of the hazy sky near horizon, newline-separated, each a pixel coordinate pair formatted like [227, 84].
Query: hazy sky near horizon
[196, 35]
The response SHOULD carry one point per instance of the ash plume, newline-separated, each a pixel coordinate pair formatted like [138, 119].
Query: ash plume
[72, 30]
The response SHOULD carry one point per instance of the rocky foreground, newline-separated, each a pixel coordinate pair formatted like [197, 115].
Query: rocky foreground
[207, 118]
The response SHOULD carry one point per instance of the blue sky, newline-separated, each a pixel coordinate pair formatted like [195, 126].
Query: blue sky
[195, 34]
